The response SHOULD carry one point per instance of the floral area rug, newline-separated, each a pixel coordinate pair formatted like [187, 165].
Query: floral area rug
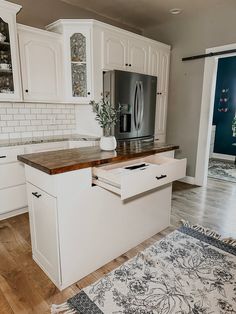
[222, 170]
[191, 271]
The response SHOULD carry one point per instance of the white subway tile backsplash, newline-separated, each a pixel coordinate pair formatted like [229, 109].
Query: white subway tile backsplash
[18, 117]
[6, 117]
[12, 110]
[20, 120]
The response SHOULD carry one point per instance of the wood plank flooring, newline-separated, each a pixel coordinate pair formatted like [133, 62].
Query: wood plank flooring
[213, 206]
[25, 289]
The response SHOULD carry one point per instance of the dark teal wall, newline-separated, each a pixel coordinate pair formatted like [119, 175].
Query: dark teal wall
[226, 79]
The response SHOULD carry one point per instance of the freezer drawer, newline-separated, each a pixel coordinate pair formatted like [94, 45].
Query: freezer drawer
[155, 171]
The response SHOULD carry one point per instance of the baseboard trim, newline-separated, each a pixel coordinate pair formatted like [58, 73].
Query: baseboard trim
[222, 156]
[13, 213]
[188, 179]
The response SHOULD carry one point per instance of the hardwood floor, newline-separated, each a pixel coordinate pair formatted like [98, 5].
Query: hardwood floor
[213, 206]
[25, 289]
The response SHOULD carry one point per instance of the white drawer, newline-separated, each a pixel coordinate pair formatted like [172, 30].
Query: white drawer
[12, 174]
[13, 198]
[8, 154]
[128, 183]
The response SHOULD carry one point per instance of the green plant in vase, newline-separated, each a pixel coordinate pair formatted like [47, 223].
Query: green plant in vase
[107, 116]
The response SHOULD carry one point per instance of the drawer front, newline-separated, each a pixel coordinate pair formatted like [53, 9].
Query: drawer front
[152, 178]
[128, 183]
[12, 174]
[13, 198]
[8, 155]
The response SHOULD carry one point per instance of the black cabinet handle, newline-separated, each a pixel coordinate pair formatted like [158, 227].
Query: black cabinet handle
[88, 93]
[36, 194]
[26, 90]
[161, 177]
[159, 93]
[3, 156]
[126, 64]
[129, 65]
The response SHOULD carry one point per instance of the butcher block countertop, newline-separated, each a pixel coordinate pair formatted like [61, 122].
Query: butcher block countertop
[60, 161]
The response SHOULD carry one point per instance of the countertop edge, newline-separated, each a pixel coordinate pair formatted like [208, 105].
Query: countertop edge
[89, 164]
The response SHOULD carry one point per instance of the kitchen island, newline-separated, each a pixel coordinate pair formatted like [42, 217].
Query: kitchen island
[87, 206]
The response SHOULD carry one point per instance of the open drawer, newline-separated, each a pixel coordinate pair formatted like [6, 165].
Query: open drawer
[127, 180]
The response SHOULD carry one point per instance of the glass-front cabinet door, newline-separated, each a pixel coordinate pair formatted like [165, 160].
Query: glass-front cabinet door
[80, 89]
[6, 75]
[9, 57]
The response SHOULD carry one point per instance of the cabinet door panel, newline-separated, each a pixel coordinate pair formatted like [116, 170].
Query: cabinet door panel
[44, 231]
[161, 117]
[154, 62]
[164, 72]
[115, 47]
[41, 68]
[138, 56]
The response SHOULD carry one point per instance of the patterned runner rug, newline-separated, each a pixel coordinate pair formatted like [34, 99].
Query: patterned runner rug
[191, 271]
[222, 170]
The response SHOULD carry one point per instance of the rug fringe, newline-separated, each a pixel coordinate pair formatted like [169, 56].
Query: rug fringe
[62, 308]
[210, 233]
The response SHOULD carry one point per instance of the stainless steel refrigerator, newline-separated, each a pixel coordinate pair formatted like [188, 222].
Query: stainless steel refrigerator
[136, 95]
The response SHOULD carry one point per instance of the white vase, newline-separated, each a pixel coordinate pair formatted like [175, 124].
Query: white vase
[108, 143]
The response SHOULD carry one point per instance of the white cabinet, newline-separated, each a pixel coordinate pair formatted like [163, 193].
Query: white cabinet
[77, 59]
[159, 66]
[10, 84]
[43, 229]
[122, 52]
[138, 56]
[41, 64]
[115, 51]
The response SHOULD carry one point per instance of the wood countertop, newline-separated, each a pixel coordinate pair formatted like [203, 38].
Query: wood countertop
[55, 162]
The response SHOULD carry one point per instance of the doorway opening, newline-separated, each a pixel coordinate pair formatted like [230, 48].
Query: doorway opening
[217, 139]
[223, 131]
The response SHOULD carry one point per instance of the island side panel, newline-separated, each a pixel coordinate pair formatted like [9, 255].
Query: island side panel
[96, 226]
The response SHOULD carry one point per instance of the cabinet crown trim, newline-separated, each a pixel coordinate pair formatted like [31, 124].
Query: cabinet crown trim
[15, 8]
[92, 22]
[22, 27]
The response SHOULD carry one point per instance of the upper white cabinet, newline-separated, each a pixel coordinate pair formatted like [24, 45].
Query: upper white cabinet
[159, 63]
[77, 59]
[122, 52]
[115, 51]
[138, 56]
[41, 64]
[9, 55]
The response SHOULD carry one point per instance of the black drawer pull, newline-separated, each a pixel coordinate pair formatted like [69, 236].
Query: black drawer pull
[3, 156]
[36, 194]
[161, 177]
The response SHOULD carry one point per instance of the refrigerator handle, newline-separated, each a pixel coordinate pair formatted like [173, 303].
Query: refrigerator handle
[136, 106]
[141, 104]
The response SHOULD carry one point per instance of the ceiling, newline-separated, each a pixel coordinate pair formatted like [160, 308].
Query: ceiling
[145, 13]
